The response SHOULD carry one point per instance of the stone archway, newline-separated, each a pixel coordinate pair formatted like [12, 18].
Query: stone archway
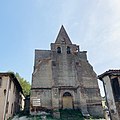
[67, 101]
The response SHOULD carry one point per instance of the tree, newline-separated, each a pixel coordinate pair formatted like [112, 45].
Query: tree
[24, 84]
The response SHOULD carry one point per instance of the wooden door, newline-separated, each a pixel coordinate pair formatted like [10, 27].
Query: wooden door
[67, 101]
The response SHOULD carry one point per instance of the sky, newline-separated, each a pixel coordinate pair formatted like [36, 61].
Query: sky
[26, 25]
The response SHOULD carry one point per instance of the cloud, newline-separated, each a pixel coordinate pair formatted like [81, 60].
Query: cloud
[67, 11]
[94, 25]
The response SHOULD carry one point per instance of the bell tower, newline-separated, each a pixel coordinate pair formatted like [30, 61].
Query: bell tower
[63, 43]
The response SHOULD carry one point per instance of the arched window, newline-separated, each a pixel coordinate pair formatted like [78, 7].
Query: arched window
[58, 50]
[67, 94]
[68, 50]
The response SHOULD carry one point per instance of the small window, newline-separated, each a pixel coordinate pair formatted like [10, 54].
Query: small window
[58, 50]
[4, 91]
[68, 50]
[7, 107]
[0, 81]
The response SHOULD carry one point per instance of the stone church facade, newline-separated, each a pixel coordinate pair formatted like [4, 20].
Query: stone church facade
[64, 79]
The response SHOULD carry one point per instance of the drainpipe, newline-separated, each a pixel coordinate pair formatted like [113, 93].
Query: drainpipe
[6, 100]
[107, 100]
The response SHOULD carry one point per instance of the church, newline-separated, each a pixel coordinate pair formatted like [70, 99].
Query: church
[64, 79]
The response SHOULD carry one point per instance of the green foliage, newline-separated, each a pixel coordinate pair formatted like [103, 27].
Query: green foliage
[24, 84]
[68, 114]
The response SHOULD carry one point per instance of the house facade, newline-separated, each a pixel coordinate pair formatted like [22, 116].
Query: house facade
[64, 79]
[111, 83]
[11, 96]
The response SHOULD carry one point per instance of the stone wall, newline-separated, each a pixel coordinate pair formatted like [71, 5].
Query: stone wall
[65, 71]
[42, 76]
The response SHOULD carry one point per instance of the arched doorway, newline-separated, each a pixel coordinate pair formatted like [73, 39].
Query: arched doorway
[67, 101]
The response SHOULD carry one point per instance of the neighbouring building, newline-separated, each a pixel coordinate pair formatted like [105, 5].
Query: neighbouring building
[64, 79]
[11, 95]
[111, 83]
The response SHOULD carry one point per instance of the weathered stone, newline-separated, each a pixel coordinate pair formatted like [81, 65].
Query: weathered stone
[63, 78]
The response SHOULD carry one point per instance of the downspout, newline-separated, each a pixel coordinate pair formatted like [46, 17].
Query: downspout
[6, 100]
[106, 99]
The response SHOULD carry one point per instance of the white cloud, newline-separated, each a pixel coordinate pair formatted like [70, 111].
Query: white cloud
[95, 25]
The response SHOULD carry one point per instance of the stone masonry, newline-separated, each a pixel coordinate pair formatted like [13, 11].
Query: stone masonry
[64, 79]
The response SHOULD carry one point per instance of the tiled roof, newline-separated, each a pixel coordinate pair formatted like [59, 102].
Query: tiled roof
[15, 80]
[109, 72]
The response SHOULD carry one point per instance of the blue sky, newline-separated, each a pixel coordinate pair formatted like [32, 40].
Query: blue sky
[26, 25]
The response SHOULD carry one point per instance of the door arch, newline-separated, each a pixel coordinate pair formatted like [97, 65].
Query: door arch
[67, 101]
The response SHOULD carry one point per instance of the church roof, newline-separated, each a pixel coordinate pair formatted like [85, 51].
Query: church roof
[63, 36]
